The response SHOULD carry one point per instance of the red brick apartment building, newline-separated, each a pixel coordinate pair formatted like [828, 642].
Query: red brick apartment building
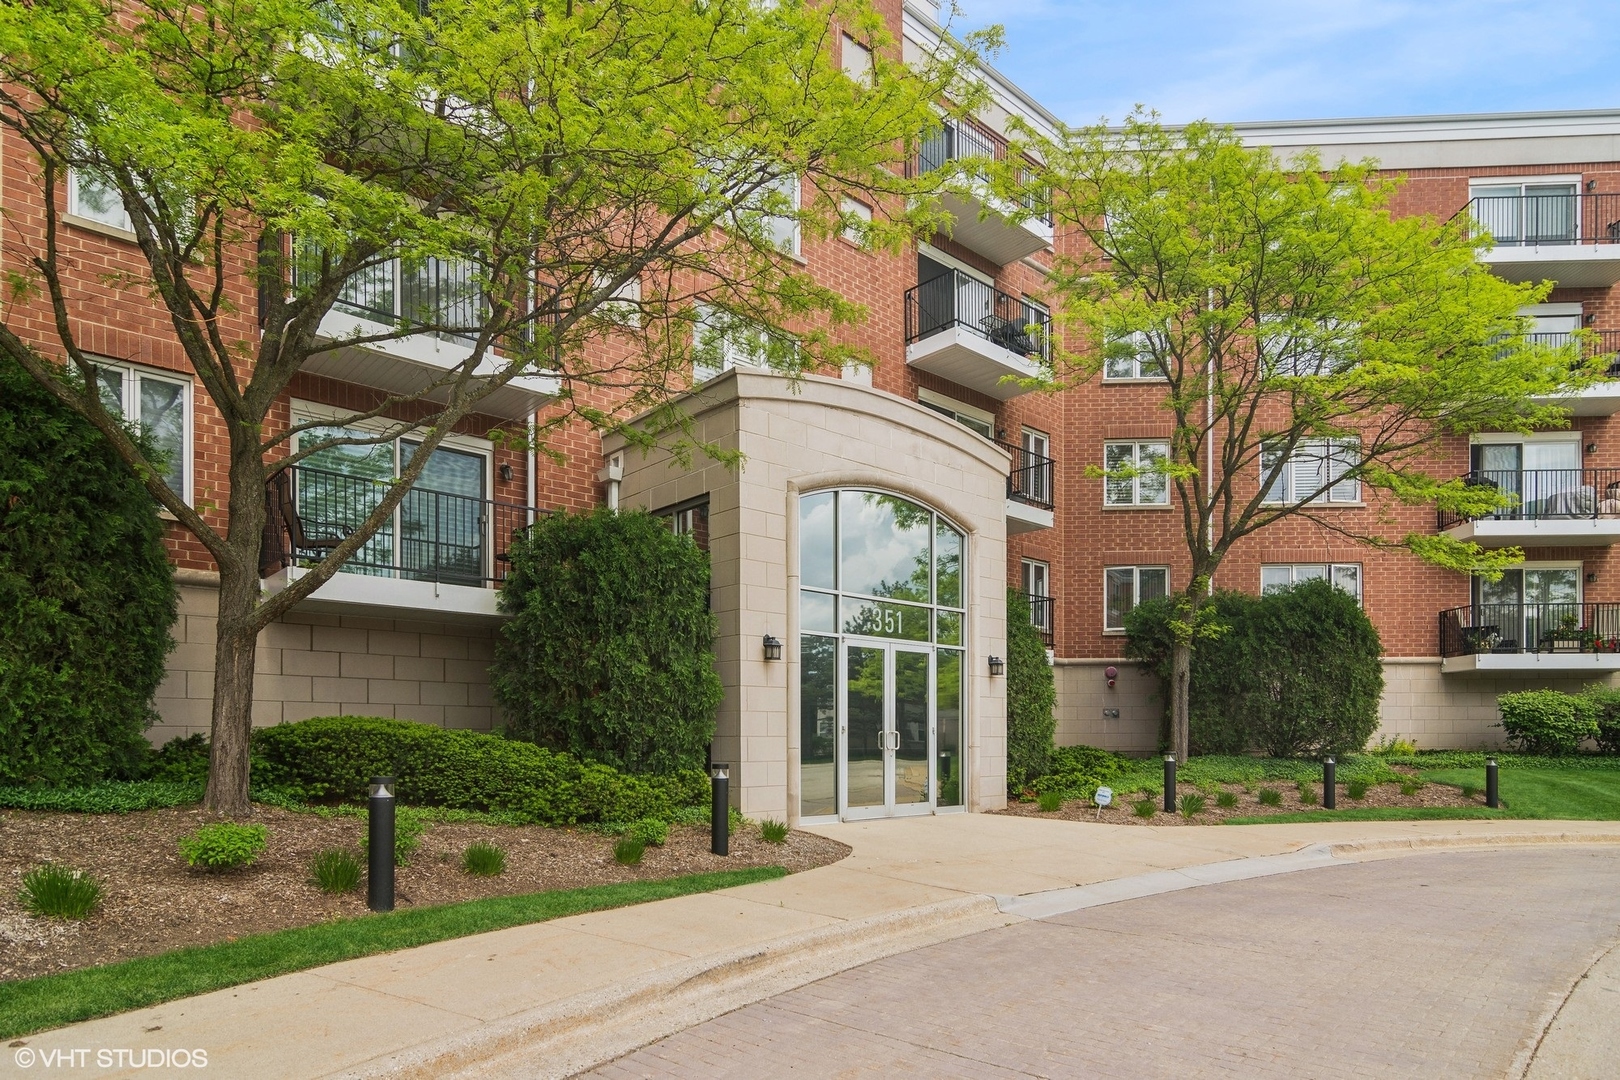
[823, 513]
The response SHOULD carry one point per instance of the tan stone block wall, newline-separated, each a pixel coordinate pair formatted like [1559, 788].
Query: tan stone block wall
[1083, 697]
[322, 664]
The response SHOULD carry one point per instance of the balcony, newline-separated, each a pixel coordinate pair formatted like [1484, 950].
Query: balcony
[1029, 490]
[394, 295]
[984, 222]
[1581, 639]
[1041, 609]
[961, 329]
[442, 552]
[1599, 399]
[1554, 508]
[1572, 239]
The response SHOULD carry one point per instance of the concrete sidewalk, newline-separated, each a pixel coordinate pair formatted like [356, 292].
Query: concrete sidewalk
[553, 998]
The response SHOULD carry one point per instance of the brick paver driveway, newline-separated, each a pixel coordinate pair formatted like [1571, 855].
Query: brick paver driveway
[1443, 965]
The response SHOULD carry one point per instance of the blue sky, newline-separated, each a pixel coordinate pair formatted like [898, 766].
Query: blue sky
[1300, 59]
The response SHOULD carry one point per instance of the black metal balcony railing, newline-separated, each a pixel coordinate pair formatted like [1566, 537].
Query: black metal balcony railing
[1530, 628]
[1546, 494]
[1538, 220]
[1041, 610]
[1598, 343]
[1030, 479]
[433, 292]
[959, 141]
[955, 299]
[434, 535]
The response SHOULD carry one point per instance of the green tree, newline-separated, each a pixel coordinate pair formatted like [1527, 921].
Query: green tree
[1293, 318]
[86, 596]
[602, 168]
[1031, 696]
[609, 654]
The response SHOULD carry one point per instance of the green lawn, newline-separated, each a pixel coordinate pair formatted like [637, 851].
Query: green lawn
[1573, 793]
[51, 1001]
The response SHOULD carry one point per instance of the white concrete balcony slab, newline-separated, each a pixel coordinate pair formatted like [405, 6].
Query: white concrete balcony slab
[1539, 532]
[1571, 265]
[1023, 517]
[1551, 508]
[970, 359]
[990, 227]
[1531, 639]
[1532, 664]
[392, 597]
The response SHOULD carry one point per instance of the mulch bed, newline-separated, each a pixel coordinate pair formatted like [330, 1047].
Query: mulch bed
[154, 903]
[1248, 803]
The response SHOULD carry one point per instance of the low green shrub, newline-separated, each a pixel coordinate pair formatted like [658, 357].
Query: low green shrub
[59, 892]
[483, 860]
[110, 797]
[1191, 804]
[1604, 702]
[223, 845]
[628, 852]
[1269, 796]
[1144, 808]
[1049, 801]
[773, 831]
[650, 831]
[1356, 789]
[409, 825]
[1226, 800]
[1469, 791]
[1411, 787]
[1548, 722]
[332, 758]
[1307, 793]
[336, 870]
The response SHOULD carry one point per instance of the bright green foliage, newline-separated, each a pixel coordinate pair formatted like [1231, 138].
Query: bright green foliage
[1144, 808]
[1269, 796]
[1296, 672]
[110, 797]
[1356, 789]
[1031, 695]
[1558, 789]
[334, 757]
[59, 892]
[1469, 790]
[1076, 772]
[1190, 804]
[609, 654]
[1548, 722]
[223, 846]
[336, 870]
[1307, 793]
[86, 597]
[1049, 801]
[649, 831]
[628, 852]
[1411, 787]
[483, 860]
[773, 831]
[1226, 800]
[1284, 303]
[1604, 703]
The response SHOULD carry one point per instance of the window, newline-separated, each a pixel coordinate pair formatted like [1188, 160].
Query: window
[1124, 587]
[856, 215]
[975, 420]
[1135, 474]
[1315, 472]
[857, 61]
[1297, 348]
[1037, 576]
[623, 305]
[1032, 477]
[783, 229]
[689, 519]
[1132, 356]
[1346, 576]
[720, 344]
[1517, 212]
[160, 405]
[96, 200]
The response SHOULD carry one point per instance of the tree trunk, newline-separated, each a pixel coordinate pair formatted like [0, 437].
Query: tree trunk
[1180, 682]
[234, 654]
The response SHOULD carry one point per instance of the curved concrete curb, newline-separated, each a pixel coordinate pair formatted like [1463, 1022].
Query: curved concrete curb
[568, 1036]
[580, 1032]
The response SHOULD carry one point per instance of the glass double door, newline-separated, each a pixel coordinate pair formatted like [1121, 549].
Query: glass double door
[888, 730]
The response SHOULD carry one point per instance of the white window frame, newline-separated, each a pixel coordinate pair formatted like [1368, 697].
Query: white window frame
[861, 214]
[1036, 577]
[1310, 456]
[733, 352]
[856, 61]
[1135, 499]
[1299, 361]
[1136, 591]
[967, 415]
[1139, 342]
[81, 214]
[129, 409]
[1332, 572]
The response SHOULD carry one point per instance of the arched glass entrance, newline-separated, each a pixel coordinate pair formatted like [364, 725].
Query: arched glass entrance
[882, 613]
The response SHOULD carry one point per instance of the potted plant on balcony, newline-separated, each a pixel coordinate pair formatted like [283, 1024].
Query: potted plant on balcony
[1568, 636]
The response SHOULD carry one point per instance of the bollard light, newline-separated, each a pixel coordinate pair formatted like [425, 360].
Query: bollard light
[1492, 795]
[380, 845]
[1330, 792]
[1169, 783]
[720, 809]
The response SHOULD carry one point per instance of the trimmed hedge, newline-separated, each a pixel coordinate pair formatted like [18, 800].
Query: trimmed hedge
[1547, 721]
[334, 757]
[1031, 695]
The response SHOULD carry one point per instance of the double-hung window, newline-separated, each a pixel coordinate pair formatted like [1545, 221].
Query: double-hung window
[1315, 472]
[1345, 576]
[160, 406]
[1124, 587]
[1135, 474]
[1134, 356]
[96, 200]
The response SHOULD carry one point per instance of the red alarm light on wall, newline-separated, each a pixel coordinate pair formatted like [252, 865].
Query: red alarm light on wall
[1111, 674]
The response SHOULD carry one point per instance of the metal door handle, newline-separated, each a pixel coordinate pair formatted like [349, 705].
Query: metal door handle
[895, 737]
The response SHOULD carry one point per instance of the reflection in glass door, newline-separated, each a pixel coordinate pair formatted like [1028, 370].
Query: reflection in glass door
[866, 736]
[888, 730]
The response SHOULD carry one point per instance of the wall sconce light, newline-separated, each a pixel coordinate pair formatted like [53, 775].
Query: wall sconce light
[998, 666]
[1590, 318]
[1111, 673]
[1591, 577]
[506, 472]
[773, 648]
[1591, 185]
[1591, 448]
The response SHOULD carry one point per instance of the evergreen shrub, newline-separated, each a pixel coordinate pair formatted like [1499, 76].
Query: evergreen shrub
[609, 654]
[87, 597]
[1031, 696]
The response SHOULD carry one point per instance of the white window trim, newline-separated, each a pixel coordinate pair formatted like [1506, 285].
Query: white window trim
[83, 221]
[859, 72]
[1326, 497]
[1508, 181]
[1328, 568]
[1136, 502]
[1136, 589]
[1508, 437]
[732, 356]
[1117, 380]
[855, 208]
[931, 397]
[188, 444]
[1533, 310]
